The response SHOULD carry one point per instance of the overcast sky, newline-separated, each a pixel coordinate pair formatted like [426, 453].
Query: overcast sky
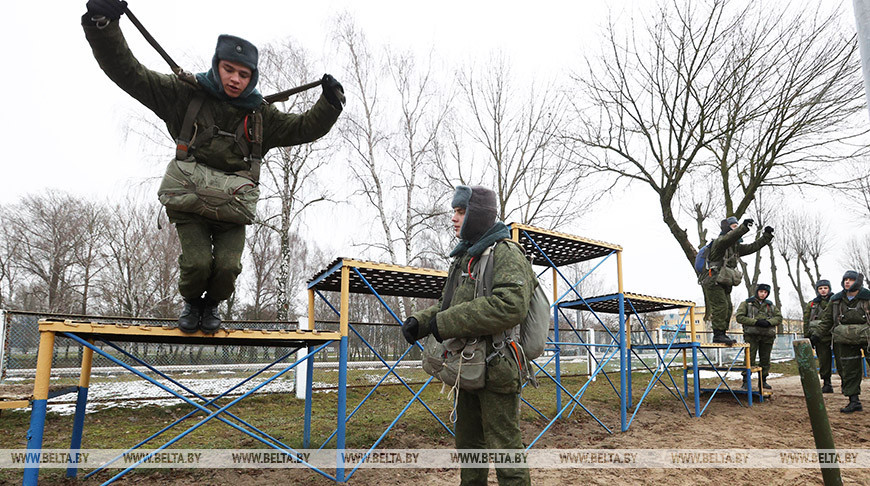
[63, 118]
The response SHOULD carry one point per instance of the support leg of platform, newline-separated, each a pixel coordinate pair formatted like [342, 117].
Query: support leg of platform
[40, 404]
[558, 359]
[623, 365]
[309, 390]
[81, 405]
[696, 386]
[342, 409]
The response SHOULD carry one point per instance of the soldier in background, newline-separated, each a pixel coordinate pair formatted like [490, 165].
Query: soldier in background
[760, 319]
[812, 318]
[722, 273]
[847, 319]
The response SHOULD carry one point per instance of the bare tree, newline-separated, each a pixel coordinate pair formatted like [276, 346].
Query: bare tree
[516, 129]
[290, 173]
[47, 229]
[764, 99]
[857, 255]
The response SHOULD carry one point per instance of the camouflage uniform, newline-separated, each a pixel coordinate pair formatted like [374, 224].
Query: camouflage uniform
[848, 322]
[760, 339]
[489, 418]
[211, 250]
[813, 313]
[726, 251]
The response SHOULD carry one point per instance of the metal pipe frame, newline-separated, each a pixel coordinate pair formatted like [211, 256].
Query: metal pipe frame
[343, 418]
[35, 434]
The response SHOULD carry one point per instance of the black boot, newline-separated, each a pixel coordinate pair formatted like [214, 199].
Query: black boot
[826, 386]
[211, 322]
[721, 338]
[853, 406]
[765, 385]
[190, 316]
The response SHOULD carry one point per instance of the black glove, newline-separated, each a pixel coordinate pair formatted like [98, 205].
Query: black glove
[333, 91]
[410, 328]
[815, 340]
[762, 323]
[768, 229]
[748, 222]
[110, 9]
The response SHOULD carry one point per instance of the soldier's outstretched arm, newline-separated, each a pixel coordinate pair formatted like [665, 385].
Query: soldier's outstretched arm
[717, 249]
[164, 94]
[286, 129]
[756, 245]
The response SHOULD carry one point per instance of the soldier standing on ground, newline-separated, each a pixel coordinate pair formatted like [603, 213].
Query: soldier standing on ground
[486, 418]
[760, 319]
[223, 128]
[847, 319]
[722, 272]
[812, 318]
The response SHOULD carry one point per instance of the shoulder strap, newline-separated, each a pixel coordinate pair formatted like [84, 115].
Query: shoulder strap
[188, 126]
[251, 131]
[448, 290]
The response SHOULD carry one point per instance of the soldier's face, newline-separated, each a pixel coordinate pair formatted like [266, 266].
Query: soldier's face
[847, 282]
[762, 294]
[734, 225]
[457, 219]
[234, 77]
[824, 290]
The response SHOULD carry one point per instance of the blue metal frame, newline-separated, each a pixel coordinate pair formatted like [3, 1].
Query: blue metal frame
[343, 417]
[35, 433]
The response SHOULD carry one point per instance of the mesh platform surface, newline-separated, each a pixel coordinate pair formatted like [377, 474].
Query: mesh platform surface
[561, 248]
[386, 279]
[609, 304]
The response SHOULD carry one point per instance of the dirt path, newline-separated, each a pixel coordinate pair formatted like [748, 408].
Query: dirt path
[779, 423]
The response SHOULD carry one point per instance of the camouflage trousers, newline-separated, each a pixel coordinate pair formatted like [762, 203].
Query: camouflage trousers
[825, 354]
[760, 346]
[850, 367]
[719, 307]
[489, 420]
[211, 258]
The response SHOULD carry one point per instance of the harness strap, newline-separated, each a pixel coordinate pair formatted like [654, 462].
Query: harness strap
[188, 127]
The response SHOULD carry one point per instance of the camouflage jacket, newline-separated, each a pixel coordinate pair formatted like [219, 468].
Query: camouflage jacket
[168, 97]
[726, 250]
[751, 310]
[813, 315]
[469, 316]
[847, 321]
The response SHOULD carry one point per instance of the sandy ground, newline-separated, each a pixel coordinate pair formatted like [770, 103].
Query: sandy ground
[779, 423]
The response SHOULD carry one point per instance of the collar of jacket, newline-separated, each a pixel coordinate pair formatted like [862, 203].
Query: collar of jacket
[753, 300]
[249, 102]
[863, 294]
[499, 231]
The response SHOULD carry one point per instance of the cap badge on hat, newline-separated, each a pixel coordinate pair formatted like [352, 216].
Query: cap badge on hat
[239, 49]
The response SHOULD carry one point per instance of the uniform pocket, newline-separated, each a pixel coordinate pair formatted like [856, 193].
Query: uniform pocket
[502, 375]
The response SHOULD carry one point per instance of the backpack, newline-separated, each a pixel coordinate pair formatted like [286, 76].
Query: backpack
[532, 332]
[701, 258]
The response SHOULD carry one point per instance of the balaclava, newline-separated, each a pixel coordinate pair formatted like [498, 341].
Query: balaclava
[481, 210]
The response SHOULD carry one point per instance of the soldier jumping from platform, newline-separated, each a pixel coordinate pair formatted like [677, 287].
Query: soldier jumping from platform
[222, 128]
[812, 318]
[847, 320]
[722, 273]
[760, 319]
